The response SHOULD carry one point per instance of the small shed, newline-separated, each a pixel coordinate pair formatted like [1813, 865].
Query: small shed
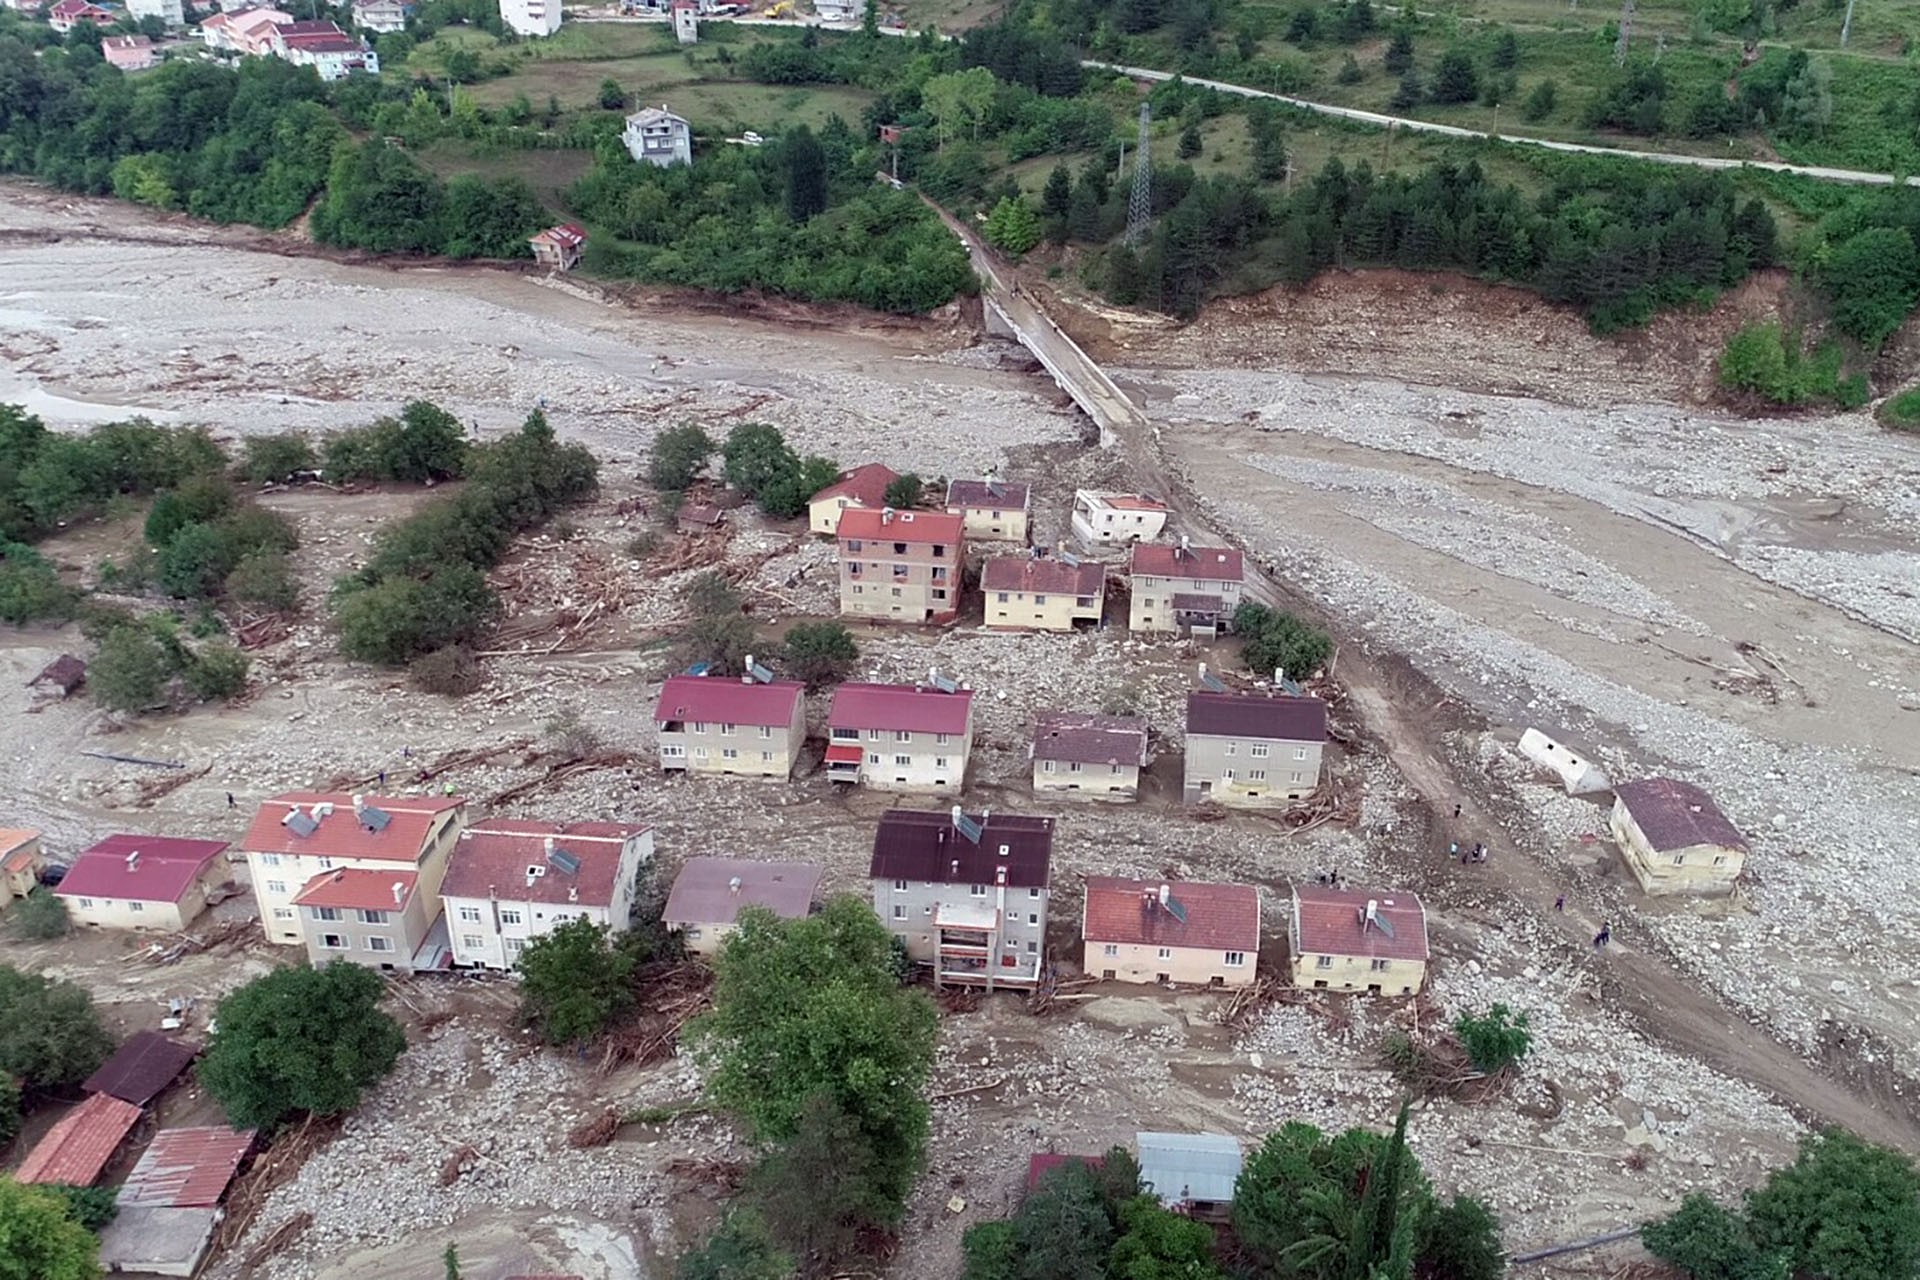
[76, 1150]
[65, 673]
[141, 1069]
[700, 517]
[559, 246]
[1191, 1173]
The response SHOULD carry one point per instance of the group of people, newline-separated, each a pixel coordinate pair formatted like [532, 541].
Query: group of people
[1478, 853]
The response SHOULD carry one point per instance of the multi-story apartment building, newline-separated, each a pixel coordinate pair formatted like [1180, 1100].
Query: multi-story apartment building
[1107, 519]
[900, 737]
[900, 566]
[1191, 591]
[1091, 756]
[301, 836]
[378, 918]
[1028, 593]
[656, 136]
[531, 17]
[993, 510]
[864, 486]
[712, 724]
[1256, 750]
[1357, 940]
[967, 895]
[511, 880]
[171, 12]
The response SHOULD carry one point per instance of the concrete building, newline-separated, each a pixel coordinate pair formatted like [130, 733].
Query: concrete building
[297, 836]
[901, 566]
[1103, 519]
[171, 12]
[654, 135]
[709, 894]
[1190, 591]
[372, 917]
[967, 895]
[715, 724]
[21, 862]
[686, 21]
[993, 510]
[1357, 940]
[331, 52]
[838, 10]
[143, 882]
[534, 18]
[243, 31]
[1181, 933]
[1088, 756]
[1675, 839]
[381, 16]
[1028, 593]
[559, 247]
[129, 53]
[897, 737]
[864, 487]
[510, 880]
[1254, 750]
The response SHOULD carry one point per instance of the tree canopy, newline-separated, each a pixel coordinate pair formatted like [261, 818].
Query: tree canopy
[40, 1239]
[575, 980]
[50, 1033]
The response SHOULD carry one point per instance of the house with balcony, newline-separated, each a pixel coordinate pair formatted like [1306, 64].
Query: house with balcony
[129, 53]
[1040, 593]
[1088, 756]
[967, 895]
[709, 894]
[900, 737]
[1253, 750]
[719, 725]
[656, 136]
[1357, 940]
[560, 246]
[381, 16]
[1674, 838]
[1184, 933]
[992, 510]
[533, 18]
[297, 837]
[68, 14]
[901, 566]
[1102, 519]
[143, 882]
[864, 487]
[511, 880]
[1183, 589]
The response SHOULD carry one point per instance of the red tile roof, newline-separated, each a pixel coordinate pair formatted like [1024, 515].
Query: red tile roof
[15, 852]
[162, 872]
[78, 1147]
[308, 27]
[339, 835]
[1281, 717]
[1215, 563]
[567, 234]
[1677, 815]
[77, 9]
[358, 889]
[322, 42]
[1220, 917]
[911, 844]
[724, 700]
[1028, 573]
[915, 708]
[866, 485]
[186, 1168]
[141, 1068]
[705, 891]
[1331, 922]
[493, 857]
[1090, 739]
[1041, 1164]
[977, 495]
[903, 526]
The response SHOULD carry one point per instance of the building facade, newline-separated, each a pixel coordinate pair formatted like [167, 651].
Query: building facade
[559, 247]
[376, 918]
[1253, 750]
[967, 895]
[301, 835]
[901, 566]
[713, 724]
[510, 881]
[1089, 756]
[21, 862]
[533, 18]
[864, 487]
[656, 136]
[686, 21]
[1357, 940]
[1027, 593]
[381, 16]
[1184, 933]
[142, 882]
[171, 12]
[1116, 519]
[709, 894]
[992, 510]
[129, 53]
[896, 737]
[1675, 839]
[1189, 591]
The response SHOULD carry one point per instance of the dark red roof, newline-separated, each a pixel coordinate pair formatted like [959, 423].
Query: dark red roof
[1673, 814]
[724, 700]
[914, 708]
[1041, 1164]
[324, 42]
[493, 856]
[186, 1168]
[141, 1068]
[307, 27]
[911, 844]
[1029, 573]
[1331, 922]
[902, 526]
[1220, 917]
[979, 495]
[568, 234]
[866, 485]
[1090, 739]
[411, 820]
[80, 1143]
[1216, 563]
[1280, 716]
[162, 872]
[358, 889]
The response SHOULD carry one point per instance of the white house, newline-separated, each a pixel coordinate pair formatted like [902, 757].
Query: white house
[510, 880]
[1120, 518]
[531, 17]
[655, 135]
[171, 12]
[381, 16]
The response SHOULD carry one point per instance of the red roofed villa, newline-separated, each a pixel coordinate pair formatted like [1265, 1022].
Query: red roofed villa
[1033, 593]
[864, 487]
[512, 879]
[901, 566]
[1358, 940]
[715, 724]
[900, 737]
[1184, 589]
[68, 14]
[143, 882]
[559, 247]
[129, 53]
[297, 836]
[1189, 933]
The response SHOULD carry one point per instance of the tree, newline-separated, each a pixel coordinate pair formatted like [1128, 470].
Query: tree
[130, 671]
[740, 1249]
[274, 459]
[1709, 1242]
[820, 653]
[679, 455]
[1455, 80]
[1013, 227]
[1158, 1244]
[217, 672]
[41, 1240]
[612, 96]
[9, 1109]
[91, 1207]
[1057, 197]
[1301, 1205]
[959, 98]
[198, 500]
[298, 1040]
[575, 981]
[905, 492]
[41, 915]
[719, 633]
[1276, 640]
[1843, 1210]
[1873, 278]
[1506, 51]
[1496, 1039]
[1190, 144]
[808, 1007]
[823, 1189]
[757, 456]
[1065, 1230]
[50, 1034]
[1460, 1240]
[806, 164]
[1398, 58]
[1540, 103]
[1408, 93]
[788, 496]
[264, 578]
[450, 1262]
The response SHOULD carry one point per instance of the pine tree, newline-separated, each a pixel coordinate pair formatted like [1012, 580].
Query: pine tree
[1409, 93]
[1506, 51]
[1190, 145]
[806, 174]
[1123, 277]
[1455, 80]
[1013, 226]
[1083, 213]
[1057, 198]
[1398, 59]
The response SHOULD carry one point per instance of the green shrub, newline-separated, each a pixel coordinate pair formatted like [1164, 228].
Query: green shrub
[905, 492]
[424, 443]
[1768, 361]
[199, 500]
[130, 671]
[1902, 410]
[91, 1207]
[273, 459]
[820, 652]
[1496, 1039]
[679, 455]
[1277, 640]
[30, 590]
[40, 916]
[397, 620]
[264, 578]
[217, 672]
[196, 562]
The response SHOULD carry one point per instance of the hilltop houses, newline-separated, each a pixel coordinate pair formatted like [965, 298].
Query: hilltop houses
[864, 487]
[142, 882]
[1103, 519]
[656, 136]
[709, 894]
[1185, 933]
[1357, 940]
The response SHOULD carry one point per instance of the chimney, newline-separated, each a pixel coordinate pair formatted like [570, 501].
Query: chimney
[546, 846]
[1203, 673]
[133, 860]
[956, 816]
[1279, 675]
[573, 893]
[1166, 891]
[1186, 549]
[746, 677]
[1373, 914]
[954, 868]
[886, 515]
[733, 884]
[399, 893]
[359, 805]
[293, 811]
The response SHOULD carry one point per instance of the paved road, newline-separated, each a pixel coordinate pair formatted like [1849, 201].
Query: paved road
[1454, 131]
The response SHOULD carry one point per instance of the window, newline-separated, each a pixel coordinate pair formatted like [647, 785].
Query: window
[1110, 950]
[939, 593]
[1299, 753]
[1046, 767]
[939, 573]
[1232, 747]
[859, 590]
[939, 551]
[1679, 859]
[1298, 776]
[1039, 600]
[1002, 596]
[873, 735]
[269, 859]
[941, 739]
[902, 735]
[276, 886]
[672, 751]
[1073, 766]
[1719, 859]
[1235, 959]
[510, 917]
[726, 730]
[899, 913]
[514, 946]
[729, 753]
[373, 917]
[1256, 775]
[86, 902]
[899, 886]
[1323, 962]
[899, 548]
[1166, 953]
[1379, 966]
[700, 753]
[1032, 947]
[939, 762]
[326, 864]
[1258, 750]
[846, 735]
[470, 914]
[766, 732]
[134, 905]
[379, 944]
[333, 942]
[326, 913]
[1033, 917]
[470, 942]
[1227, 775]
[766, 757]
[699, 726]
[901, 762]
[977, 890]
[853, 544]
[279, 913]
[896, 592]
[1012, 945]
[873, 757]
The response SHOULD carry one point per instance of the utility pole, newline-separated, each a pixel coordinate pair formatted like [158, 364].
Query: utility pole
[1140, 199]
[1289, 173]
[1626, 29]
[1846, 25]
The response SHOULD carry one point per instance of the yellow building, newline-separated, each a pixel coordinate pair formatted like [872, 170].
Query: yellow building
[1087, 756]
[1357, 940]
[993, 510]
[863, 488]
[20, 862]
[1025, 593]
[710, 893]
[1675, 839]
[714, 724]
[142, 882]
[1183, 933]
